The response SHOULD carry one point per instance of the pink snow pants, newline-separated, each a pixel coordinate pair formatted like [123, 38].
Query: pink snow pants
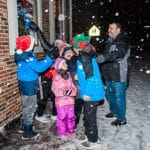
[65, 119]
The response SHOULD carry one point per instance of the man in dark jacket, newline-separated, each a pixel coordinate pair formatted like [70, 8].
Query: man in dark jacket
[115, 70]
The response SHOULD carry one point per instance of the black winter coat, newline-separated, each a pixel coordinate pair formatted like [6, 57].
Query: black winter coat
[116, 59]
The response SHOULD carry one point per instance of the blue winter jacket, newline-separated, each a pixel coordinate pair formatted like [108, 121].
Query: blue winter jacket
[93, 86]
[28, 68]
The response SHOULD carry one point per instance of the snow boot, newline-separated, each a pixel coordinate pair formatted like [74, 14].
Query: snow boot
[41, 107]
[118, 123]
[29, 133]
[21, 125]
[90, 145]
[111, 115]
[82, 138]
[42, 119]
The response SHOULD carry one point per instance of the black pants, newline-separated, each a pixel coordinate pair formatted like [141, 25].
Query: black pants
[78, 109]
[90, 121]
[47, 93]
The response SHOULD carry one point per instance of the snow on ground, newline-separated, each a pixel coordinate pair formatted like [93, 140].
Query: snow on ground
[135, 135]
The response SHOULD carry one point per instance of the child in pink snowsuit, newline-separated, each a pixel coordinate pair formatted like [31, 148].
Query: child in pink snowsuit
[64, 90]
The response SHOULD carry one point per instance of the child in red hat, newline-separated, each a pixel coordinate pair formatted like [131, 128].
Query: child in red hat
[28, 68]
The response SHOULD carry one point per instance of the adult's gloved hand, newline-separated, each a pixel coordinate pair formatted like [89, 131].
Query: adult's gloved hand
[53, 52]
[100, 59]
[34, 26]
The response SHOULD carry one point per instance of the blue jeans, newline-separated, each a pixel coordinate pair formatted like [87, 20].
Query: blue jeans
[116, 96]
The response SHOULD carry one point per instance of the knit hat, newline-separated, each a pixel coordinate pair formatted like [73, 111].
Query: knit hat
[58, 63]
[24, 43]
[59, 41]
[65, 50]
[83, 44]
[61, 48]
[86, 47]
[79, 39]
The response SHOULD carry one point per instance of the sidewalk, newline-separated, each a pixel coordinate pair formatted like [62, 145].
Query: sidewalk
[48, 139]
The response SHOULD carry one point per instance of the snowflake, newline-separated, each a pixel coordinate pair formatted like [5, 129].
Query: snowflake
[147, 71]
[117, 14]
[46, 10]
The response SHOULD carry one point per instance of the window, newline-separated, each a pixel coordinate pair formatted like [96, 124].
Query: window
[25, 15]
[20, 13]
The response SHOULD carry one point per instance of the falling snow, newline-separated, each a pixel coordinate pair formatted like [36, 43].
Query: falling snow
[133, 136]
[46, 10]
[117, 14]
[147, 71]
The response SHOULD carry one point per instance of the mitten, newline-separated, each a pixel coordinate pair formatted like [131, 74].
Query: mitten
[34, 26]
[100, 59]
[53, 52]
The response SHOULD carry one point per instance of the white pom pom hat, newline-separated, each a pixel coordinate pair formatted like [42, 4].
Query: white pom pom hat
[24, 43]
[59, 41]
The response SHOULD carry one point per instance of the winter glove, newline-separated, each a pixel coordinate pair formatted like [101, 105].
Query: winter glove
[34, 26]
[100, 59]
[53, 52]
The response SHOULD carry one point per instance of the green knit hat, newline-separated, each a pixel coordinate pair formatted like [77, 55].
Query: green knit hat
[78, 39]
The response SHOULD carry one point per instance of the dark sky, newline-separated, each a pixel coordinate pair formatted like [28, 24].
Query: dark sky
[132, 14]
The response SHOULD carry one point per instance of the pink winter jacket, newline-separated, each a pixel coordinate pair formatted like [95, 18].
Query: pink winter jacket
[59, 88]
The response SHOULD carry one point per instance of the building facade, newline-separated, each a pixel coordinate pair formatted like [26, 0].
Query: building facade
[45, 13]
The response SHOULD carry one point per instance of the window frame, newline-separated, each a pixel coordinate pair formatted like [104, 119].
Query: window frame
[13, 24]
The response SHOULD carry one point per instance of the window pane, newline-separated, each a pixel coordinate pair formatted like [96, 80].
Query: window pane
[25, 15]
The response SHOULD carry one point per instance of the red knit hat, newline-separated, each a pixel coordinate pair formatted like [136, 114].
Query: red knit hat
[82, 44]
[58, 63]
[86, 46]
[24, 43]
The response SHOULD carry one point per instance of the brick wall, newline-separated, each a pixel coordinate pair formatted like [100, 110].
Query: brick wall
[45, 18]
[10, 103]
[10, 100]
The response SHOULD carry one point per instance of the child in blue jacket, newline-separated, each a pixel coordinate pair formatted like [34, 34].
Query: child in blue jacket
[91, 92]
[28, 68]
